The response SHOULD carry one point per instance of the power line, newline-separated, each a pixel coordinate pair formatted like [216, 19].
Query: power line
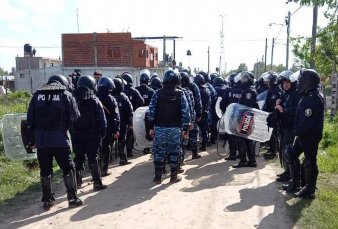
[296, 10]
[45, 47]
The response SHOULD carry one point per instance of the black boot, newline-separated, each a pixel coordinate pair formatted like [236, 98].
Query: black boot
[73, 200]
[174, 178]
[308, 191]
[240, 164]
[195, 155]
[97, 180]
[284, 177]
[158, 175]
[47, 195]
[294, 184]
[231, 156]
[78, 175]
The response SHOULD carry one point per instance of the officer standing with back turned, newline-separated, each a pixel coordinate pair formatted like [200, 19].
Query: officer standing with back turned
[50, 113]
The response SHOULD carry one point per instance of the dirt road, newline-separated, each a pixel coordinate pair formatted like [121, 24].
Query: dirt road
[211, 195]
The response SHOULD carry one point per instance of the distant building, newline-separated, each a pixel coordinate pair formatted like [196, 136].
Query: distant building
[107, 50]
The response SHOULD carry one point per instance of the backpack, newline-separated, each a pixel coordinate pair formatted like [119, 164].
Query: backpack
[88, 119]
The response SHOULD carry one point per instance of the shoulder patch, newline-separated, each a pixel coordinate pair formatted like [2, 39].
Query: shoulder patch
[248, 95]
[308, 112]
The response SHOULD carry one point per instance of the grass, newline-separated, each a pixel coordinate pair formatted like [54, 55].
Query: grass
[322, 212]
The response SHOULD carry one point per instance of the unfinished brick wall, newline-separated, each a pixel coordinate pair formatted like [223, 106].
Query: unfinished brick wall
[107, 50]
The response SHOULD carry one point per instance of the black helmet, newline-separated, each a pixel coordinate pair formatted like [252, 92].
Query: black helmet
[231, 78]
[87, 82]
[107, 82]
[308, 79]
[205, 76]
[156, 83]
[153, 75]
[58, 78]
[144, 76]
[119, 85]
[144, 79]
[213, 76]
[171, 78]
[128, 78]
[199, 80]
[185, 79]
[219, 81]
[270, 78]
[245, 78]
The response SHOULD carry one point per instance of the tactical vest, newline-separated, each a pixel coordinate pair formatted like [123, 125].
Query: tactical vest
[168, 110]
[50, 111]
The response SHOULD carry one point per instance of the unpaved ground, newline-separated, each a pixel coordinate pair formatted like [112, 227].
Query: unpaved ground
[211, 195]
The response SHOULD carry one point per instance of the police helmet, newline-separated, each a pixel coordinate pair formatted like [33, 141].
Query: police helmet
[288, 76]
[188, 71]
[156, 83]
[199, 80]
[185, 79]
[144, 79]
[87, 82]
[119, 85]
[308, 79]
[107, 82]
[206, 76]
[144, 76]
[231, 78]
[219, 81]
[270, 78]
[213, 76]
[128, 78]
[153, 75]
[58, 78]
[171, 77]
[246, 78]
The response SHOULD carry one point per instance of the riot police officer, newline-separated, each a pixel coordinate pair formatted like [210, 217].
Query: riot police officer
[156, 83]
[169, 117]
[51, 111]
[137, 101]
[232, 94]
[287, 107]
[193, 133]
[248, 98]
[273, 94]
[111, 110]
[206, 103]
[88, 131]
[146, 92]
[309, 121]
[126, 117]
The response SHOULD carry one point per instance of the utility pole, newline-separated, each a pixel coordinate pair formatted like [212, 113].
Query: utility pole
[77, 20]
[208, 59]
[272, 47]
[266, 51]
[287, 21]
[221, 52]
[314, 34]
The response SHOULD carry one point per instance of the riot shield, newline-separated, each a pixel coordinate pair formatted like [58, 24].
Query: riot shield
[139, 127]
[246, 122]
[15, 137]
[261, 99]
[218, 108]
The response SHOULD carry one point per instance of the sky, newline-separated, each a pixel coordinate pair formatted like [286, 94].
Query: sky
[198, 22]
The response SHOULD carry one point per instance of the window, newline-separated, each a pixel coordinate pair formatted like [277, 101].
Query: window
[22, 75]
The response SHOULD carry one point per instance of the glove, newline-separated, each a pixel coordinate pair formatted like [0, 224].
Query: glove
[271, 120]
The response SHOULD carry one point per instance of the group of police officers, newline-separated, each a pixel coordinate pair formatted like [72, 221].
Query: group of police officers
[97, 110]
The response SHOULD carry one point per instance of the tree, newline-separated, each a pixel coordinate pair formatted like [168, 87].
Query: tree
[3, 72]
[242, 67]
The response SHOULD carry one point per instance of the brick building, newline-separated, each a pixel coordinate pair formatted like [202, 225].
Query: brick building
[107, 50]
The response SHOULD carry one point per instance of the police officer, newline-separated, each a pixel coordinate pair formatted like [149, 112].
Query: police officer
[220, 87]
[137, 101]
[169, 117]
[232, 94]
[111, 110]
[126, 117]
[287, 107]
[193, 133]
[88, 131]
[51, 111]
[273, 94]
[248, 98]
[146, 92]
[206, 102]
[308, 132]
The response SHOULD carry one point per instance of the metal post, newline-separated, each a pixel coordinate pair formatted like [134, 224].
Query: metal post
[164, 51]
[314, 34]
[288, 21]
[273, 45]
[208, 59]
[29, 73]
[174, 41]
[266, 50]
